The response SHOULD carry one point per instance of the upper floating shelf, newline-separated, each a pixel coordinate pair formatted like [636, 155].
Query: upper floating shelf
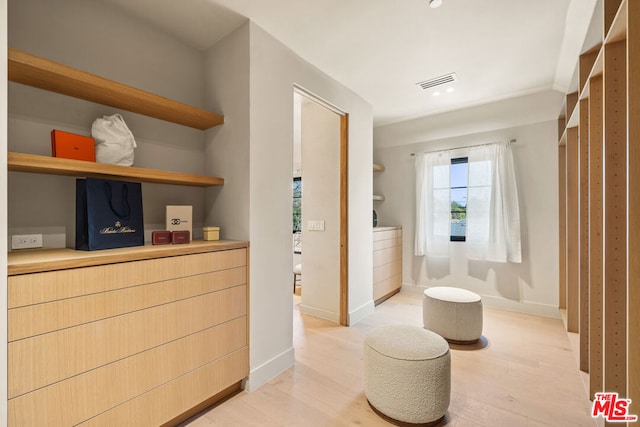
[44, 74]
[20, 162]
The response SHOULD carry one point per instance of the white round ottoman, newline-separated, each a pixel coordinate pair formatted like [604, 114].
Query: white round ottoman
[407, 373]
[453, 313]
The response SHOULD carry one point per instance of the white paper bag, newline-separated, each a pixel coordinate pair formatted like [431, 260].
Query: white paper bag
[114, 141]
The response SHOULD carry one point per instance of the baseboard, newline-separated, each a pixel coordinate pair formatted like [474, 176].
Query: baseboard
[491, 301]
[269, 370]
[318, 312]
[361, 312]
[543, 310]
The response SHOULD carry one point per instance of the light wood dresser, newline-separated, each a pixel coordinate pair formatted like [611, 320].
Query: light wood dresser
[387, 262]
[142, 336]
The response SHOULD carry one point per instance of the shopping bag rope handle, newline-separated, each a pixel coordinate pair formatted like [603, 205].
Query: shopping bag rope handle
[125, 200]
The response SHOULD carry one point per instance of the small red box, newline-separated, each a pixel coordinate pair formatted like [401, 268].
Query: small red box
[72, 146]
[180, 236]
[160, 237]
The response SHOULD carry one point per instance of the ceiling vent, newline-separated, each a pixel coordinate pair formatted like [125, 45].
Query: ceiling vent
[438, 81]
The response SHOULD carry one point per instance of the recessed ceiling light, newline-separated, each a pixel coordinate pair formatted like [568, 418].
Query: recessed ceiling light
[450, 89]
[436, 93]
[435, 3]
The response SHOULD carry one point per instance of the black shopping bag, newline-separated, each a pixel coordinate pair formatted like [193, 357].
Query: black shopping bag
[108, 214]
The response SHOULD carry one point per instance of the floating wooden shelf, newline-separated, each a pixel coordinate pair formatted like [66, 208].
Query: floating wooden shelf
[20, 162]
[378, 198]
[378, 168]
[44, 74]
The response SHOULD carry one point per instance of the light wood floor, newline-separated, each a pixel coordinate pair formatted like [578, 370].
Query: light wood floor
[526, 375]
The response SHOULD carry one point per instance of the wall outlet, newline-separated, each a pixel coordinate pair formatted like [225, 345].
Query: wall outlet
[25, 241]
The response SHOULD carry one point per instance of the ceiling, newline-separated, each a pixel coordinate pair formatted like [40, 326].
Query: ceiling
[380, 49]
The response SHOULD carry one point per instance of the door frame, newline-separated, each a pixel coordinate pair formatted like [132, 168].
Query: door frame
[344, 200]
[344, 219]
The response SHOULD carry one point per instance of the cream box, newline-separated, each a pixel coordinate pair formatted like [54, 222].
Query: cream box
[179, 218]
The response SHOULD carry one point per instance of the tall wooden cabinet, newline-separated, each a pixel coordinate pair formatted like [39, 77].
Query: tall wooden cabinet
[599, 213]
[133, 336]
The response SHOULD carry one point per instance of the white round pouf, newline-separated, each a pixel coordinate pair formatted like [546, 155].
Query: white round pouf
[407, 373]
[453, 313]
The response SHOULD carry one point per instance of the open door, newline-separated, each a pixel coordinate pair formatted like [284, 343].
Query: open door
[323, 142]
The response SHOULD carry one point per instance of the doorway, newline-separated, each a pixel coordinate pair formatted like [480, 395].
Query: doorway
[320, 170]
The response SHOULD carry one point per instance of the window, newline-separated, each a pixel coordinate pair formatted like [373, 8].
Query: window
[297, 214]
[459, 179]
[297, 205]
[472, 199]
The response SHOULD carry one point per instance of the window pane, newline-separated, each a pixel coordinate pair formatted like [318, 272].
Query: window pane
[297, 188]
[441, 201]
[458, 194]
[481, 173]
[458, 227]
[479, 206]
[459, 174]
[441, 176]
[479, 198]
[297, 205]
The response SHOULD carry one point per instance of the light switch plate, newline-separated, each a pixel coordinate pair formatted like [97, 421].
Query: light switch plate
[315, 225]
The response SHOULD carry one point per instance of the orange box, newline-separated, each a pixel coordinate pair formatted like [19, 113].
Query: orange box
[72, 146]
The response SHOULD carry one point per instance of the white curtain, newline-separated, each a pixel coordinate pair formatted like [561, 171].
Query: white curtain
[493, 216]
[433, 209]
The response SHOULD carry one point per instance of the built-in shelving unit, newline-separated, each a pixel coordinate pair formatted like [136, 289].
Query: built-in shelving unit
[44, 74]
[52, 76]
[378, 168]
[20, 162]
[599, 178]
[99, 279]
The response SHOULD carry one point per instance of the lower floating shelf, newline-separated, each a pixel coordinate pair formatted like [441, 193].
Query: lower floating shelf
[20, 162]
[378, 198]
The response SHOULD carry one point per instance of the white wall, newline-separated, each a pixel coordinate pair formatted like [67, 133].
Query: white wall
[321, 201]
[274, 71]
[118, 47]
[227, 146]
[531, 286]
[533, 108]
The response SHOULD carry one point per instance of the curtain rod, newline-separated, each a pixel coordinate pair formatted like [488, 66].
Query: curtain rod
[510, 141]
